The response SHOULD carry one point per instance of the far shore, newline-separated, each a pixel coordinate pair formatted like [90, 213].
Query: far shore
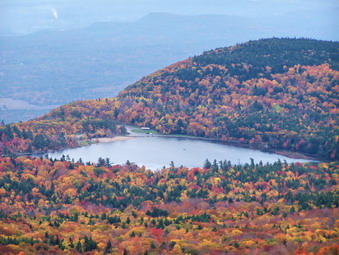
[297, 155]
[111, 139]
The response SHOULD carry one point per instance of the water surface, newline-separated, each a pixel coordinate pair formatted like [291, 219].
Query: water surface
[157, 152]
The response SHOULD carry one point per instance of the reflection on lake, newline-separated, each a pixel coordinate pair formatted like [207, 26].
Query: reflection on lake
[156, 152]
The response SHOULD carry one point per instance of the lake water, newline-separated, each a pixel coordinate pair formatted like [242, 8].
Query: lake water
[156, 152]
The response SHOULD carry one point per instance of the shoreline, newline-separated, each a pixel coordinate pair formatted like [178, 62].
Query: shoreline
[111, 139]
[289, 154]
[297, 155]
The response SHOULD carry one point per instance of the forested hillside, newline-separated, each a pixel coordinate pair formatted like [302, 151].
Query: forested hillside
[269, 94]
[64, 207]
[276, 93]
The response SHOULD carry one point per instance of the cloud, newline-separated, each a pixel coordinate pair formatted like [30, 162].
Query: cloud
[54, 13]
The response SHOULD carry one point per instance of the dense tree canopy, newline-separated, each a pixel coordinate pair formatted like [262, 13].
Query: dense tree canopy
[60, 206]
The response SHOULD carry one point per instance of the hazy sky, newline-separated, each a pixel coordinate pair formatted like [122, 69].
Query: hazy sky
[23, 16]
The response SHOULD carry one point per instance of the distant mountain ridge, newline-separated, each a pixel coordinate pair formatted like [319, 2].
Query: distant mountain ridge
[254, 94]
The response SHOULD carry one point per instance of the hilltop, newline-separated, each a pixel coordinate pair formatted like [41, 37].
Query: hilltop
[268, 94]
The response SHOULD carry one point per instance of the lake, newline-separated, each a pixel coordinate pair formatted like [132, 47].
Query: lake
[157, 152]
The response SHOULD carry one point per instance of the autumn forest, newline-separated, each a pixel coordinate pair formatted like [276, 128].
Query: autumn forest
[271, 94]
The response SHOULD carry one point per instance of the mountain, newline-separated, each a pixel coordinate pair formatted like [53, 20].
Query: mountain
[275, 93]
[50, 68]
[272, 94]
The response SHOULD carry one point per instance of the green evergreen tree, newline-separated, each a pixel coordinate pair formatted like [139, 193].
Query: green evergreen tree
[108, 248]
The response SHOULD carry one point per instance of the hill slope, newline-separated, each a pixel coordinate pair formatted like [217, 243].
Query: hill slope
[280, 93]
[271, 94]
